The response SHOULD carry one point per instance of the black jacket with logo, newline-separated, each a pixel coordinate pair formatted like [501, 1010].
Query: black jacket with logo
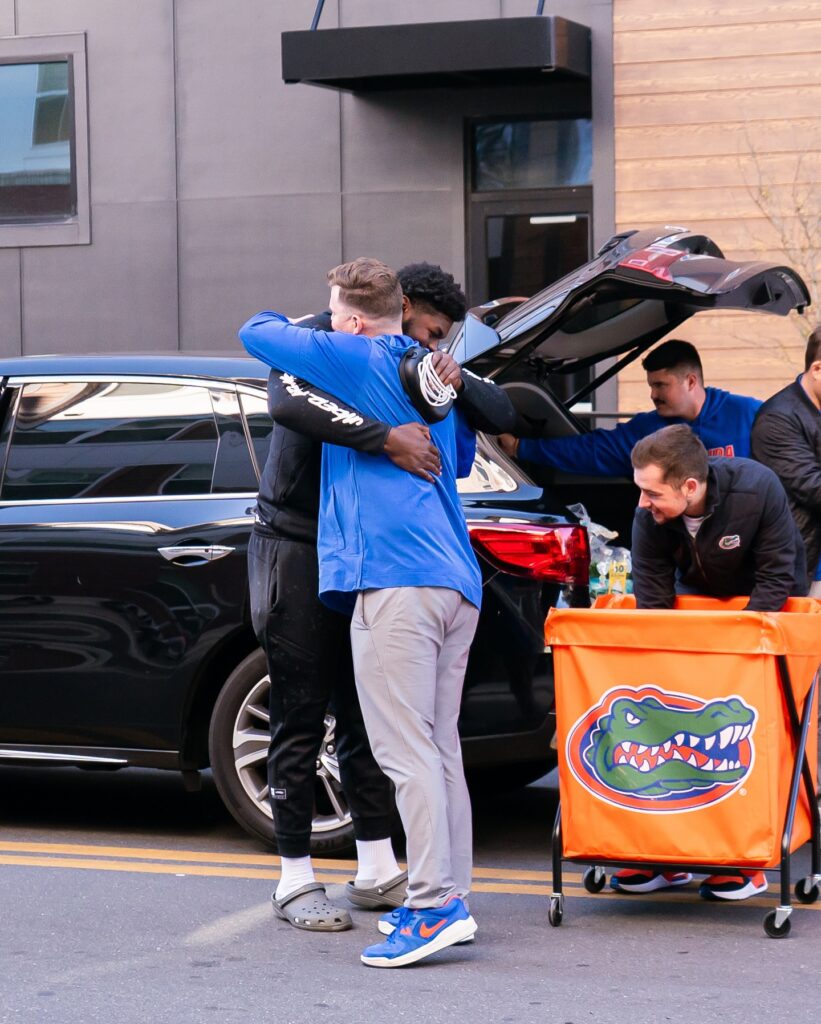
[747, 544]
[787, 438]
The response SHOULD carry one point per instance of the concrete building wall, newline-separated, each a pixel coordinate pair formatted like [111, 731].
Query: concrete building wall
[217, 190]
[718, 127]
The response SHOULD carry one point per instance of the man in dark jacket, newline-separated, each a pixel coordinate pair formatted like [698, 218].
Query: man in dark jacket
[787, 438]
[713, 526]
[307, 645]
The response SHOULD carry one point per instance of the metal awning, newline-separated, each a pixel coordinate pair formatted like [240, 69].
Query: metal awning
[451, 54]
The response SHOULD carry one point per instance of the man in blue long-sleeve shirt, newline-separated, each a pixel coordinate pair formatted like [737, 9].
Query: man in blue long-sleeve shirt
[723, 421]
[396, 548]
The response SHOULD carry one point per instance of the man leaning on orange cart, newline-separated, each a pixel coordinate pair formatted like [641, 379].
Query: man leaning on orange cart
[714, 526]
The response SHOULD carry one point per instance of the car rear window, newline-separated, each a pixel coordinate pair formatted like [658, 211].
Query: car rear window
[110, 439]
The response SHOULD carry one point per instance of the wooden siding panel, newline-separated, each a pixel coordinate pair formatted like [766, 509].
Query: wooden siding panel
[723, 138]
[717, 171]
[716, 107]
[686, 76]
[714, 203]
[641, 15]
[714, 103]
[666, 45]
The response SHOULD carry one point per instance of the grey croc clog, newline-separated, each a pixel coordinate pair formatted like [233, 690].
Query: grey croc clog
[379, 897]
[308, 907]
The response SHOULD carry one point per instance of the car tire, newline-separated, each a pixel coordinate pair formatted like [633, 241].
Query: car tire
[238, 747]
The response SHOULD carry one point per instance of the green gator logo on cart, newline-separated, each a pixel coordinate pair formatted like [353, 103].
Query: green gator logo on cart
[659, 751]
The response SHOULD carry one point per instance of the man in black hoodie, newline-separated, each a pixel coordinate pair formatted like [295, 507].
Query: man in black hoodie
[714, 526]
[307, 646]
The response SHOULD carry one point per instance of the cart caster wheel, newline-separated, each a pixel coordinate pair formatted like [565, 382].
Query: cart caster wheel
[593, 880]
[807, 891]
[556, 911]
[776, 931]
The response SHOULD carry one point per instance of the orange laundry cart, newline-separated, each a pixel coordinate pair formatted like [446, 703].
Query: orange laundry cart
[686, 738]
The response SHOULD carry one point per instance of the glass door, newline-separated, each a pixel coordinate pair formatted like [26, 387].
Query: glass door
[526, 246]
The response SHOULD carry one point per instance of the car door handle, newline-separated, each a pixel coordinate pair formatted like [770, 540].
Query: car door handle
[194, 554]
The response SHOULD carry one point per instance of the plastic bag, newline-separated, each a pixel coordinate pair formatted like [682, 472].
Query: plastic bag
[610, 567]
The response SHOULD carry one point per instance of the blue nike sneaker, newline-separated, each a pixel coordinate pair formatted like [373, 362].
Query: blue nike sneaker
[418, 933]
[387, 924]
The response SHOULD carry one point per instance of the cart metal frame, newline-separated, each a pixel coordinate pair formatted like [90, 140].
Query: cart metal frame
[807, 890]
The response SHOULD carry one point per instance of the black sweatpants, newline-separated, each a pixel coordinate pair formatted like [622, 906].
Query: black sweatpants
[308, 649]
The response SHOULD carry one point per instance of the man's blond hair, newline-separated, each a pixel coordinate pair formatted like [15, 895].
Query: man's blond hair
[369, 287]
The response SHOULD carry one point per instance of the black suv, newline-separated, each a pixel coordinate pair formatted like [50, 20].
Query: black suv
[125, 507]
[126, 488]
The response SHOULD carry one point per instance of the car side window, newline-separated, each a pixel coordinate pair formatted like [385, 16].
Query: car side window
[260, 425]
[110, 439]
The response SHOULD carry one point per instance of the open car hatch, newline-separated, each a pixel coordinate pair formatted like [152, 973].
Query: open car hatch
[639, 287]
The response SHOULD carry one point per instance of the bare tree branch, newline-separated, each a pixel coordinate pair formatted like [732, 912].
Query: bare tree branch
[793, 210]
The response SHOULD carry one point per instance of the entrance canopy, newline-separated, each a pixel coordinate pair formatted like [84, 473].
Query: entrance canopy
[460, 54]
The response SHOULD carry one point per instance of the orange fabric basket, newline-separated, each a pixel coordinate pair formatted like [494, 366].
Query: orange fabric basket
[674, 738]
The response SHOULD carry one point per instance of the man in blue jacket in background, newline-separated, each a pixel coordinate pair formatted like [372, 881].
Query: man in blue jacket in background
[396, 549]
[723, 421]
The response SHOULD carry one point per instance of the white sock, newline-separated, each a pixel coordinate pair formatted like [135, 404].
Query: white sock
[376, 862]
[296, 872]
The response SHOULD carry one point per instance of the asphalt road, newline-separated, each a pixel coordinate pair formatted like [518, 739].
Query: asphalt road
[126, 900]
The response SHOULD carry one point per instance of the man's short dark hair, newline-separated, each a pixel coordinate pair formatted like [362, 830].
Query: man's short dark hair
[676, 450]
[676, 356]
[428, 285]
[813, 353]
[368, 286]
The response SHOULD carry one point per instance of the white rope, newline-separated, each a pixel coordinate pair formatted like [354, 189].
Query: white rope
[434, 391]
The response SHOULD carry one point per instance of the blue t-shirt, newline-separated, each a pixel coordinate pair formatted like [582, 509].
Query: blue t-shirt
[724, 425]
[379, 526]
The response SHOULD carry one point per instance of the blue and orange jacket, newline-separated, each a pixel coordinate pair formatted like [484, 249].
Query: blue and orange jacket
[724, 426]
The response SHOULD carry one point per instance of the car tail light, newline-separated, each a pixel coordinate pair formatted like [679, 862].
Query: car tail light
[655, 260]
[557, 553]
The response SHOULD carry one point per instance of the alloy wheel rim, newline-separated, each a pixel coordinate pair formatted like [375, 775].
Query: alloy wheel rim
[250, 741]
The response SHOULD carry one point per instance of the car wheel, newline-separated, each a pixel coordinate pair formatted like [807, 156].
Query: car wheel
[238, 746]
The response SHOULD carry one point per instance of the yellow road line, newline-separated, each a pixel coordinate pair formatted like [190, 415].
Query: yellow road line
[159, 861]
[264, 860]
[158, 853]
[157, 868]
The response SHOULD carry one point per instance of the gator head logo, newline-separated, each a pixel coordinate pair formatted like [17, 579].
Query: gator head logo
[653, 750]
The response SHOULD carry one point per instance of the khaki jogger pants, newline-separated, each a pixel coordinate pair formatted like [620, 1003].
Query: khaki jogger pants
[410, 648]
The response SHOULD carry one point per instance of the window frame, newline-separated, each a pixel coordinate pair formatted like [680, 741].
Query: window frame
[74, 230]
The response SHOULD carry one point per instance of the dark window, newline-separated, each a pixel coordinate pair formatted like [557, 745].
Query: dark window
[532, 154]
[110, 440]
[525, 252]
[36, 142]
[260, 425]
